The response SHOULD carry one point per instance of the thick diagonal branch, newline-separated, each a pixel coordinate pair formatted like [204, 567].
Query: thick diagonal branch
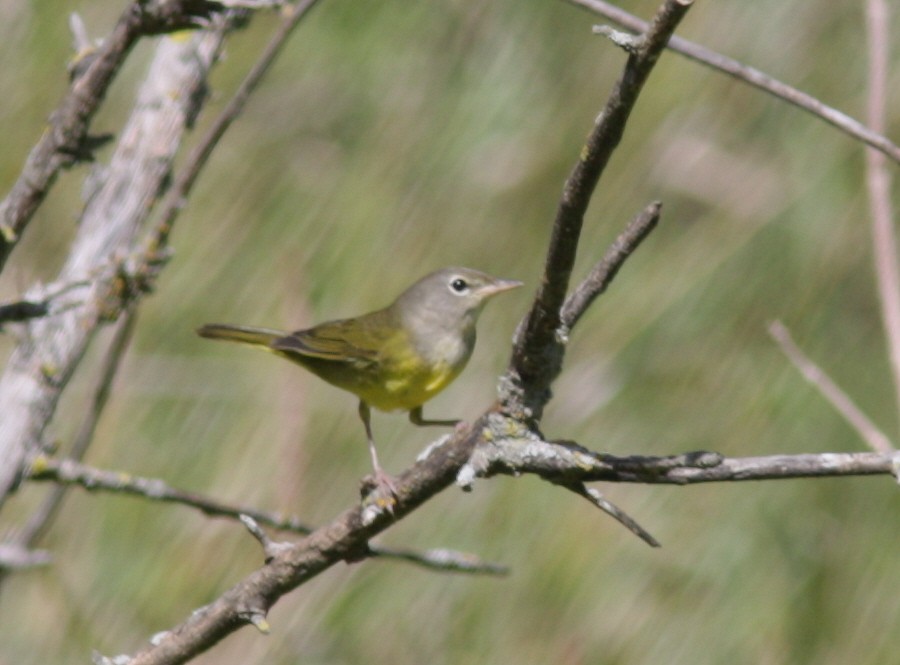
[537, 354]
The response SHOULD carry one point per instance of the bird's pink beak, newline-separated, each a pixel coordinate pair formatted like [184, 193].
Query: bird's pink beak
[499, 286]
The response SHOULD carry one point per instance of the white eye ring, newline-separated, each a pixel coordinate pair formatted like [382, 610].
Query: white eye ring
[459, 286]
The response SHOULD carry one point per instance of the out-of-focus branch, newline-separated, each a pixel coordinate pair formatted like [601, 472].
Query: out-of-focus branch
[15, 557]
[66, 140]
[40, 520]
[104, 292]
[67, 472]
[51, 347]
[878, 184]
[871, 135]
[184, 182]
[539, 345]
[868, 430]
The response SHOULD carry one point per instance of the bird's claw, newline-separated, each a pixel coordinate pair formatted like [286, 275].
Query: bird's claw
[379, 491]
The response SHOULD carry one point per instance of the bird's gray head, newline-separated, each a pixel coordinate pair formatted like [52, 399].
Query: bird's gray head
[452, 297]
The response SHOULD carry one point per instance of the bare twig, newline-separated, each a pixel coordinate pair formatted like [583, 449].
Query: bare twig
[184, 182]
[67, 472]
[64, 142]
[878, 184]
[270, 547]
[597, 499]
[605, 270]
[871, 135]
[868, 430]
[538, 348]
[441, 560]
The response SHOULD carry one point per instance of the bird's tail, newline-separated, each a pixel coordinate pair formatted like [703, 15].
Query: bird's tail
[246, 335]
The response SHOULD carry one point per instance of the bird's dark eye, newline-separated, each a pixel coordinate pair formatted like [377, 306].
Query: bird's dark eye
[459, 285]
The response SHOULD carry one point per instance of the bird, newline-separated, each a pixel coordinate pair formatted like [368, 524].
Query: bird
[392, 359]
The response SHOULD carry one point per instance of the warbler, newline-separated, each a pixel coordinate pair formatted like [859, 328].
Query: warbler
[396, 358]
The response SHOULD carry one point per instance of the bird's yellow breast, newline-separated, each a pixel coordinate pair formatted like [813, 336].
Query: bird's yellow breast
[407, 380]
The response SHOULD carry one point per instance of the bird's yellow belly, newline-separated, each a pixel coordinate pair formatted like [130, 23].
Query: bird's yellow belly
[406, 387]
[399, 378]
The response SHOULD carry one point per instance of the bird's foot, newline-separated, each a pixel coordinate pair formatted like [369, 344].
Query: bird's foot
[379, 491]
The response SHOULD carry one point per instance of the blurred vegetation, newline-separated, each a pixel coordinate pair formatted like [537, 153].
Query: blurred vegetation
[407, 136]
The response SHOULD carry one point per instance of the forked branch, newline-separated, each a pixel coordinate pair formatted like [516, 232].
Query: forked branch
[539, 345]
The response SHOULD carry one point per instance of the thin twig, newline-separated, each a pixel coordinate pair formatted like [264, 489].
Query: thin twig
[597, 499]
[538, 348]
[871, 135]
[878, 185]
[67, 472]
[41, 519]
[841, 401]
[184, 182]
[70, 472]
[442, 560]
[605, 270]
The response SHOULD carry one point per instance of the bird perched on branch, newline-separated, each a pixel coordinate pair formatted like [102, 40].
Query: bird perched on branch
[393, 359]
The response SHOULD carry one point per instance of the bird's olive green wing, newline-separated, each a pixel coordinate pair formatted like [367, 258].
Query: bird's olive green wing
[355, 341]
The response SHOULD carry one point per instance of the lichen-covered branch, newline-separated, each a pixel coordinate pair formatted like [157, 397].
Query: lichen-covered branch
[106, 242]
[40, 520]
[556, 460]
[66, 140]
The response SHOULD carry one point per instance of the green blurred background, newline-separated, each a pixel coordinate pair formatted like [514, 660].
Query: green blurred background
[396, 137]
